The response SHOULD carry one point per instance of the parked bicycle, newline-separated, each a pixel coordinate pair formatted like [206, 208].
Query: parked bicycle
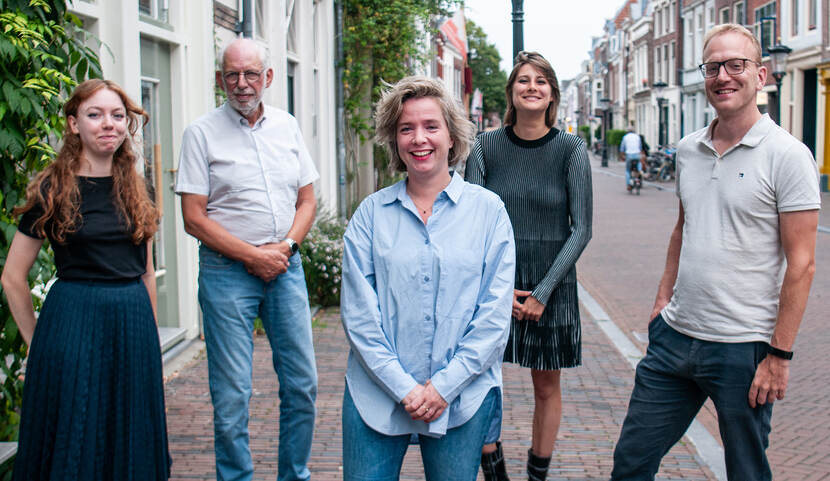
[660, 164]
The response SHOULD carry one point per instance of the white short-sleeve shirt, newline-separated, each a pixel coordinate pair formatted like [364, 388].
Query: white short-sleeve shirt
[731, 262]
[630, 144]
[251, 175]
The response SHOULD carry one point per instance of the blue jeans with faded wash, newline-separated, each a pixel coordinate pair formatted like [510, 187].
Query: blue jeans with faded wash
[630, 161]
[673, 380]
[372, 456]
[231, 299]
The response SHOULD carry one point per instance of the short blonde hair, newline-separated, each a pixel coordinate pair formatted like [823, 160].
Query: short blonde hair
[540, 63]
[734, 28]
[390, 106]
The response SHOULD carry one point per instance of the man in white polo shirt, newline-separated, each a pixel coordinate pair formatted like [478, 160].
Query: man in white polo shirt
[631, 146]
[245, 183]
[738, 272]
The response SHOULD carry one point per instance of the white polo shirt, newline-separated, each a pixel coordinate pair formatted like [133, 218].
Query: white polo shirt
[731, 262]
[251, 175]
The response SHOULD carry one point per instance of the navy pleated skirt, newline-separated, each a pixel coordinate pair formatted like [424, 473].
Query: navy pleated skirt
[93, 398]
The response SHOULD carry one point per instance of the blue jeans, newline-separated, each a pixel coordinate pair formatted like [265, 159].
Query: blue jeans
[630, 160]
[231, 299]
[371, 456]
[673, 380]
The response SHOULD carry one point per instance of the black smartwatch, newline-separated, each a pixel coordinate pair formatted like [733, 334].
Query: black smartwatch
[779, 352]
[292, 244]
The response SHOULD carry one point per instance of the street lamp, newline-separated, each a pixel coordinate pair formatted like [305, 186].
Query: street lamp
[658, 91]
[518, 31]
[778, 56]
[603, 104]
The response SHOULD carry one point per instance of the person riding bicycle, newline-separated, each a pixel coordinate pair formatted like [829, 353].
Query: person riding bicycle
[631, 146]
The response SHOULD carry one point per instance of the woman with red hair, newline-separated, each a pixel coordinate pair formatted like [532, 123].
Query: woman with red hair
[93, 400]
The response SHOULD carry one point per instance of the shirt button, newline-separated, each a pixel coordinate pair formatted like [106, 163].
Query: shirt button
[427, 317]
[426, 278]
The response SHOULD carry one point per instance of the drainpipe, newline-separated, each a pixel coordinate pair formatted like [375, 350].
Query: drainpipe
[341, 114]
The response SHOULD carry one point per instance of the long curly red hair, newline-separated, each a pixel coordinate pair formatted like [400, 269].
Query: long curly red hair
[56, 187]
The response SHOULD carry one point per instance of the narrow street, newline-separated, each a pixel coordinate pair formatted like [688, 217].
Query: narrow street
[620, 269]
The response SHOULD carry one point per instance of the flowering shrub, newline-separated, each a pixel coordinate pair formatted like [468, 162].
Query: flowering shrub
[322, 253]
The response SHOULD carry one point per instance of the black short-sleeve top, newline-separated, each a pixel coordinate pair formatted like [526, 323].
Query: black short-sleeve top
[102, 248]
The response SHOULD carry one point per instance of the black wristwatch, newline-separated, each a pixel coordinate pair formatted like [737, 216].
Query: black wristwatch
[292, 244]
[779, 352]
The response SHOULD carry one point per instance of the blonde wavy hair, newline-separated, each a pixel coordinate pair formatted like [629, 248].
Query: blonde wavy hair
[56, 187]
[390, 106]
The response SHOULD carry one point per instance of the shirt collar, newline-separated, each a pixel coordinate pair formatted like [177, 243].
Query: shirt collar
[751, 138]
[237, 118]
[398, 191]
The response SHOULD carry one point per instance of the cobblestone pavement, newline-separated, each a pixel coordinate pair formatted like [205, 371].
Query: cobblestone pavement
[621, 269]
[595, 395]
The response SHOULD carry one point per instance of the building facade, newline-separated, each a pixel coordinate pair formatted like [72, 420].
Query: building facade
[164, 54]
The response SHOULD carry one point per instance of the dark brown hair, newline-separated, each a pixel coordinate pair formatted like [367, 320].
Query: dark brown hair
[537, 61]
[56, 188]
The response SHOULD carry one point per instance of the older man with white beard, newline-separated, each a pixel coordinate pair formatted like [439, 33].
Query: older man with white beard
[245, 183]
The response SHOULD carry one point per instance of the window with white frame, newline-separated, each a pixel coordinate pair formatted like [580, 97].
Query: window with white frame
[658, 69]
[666, 20]
[738, 10]
[666, 62]
[657, 18]
[672, 79]
[260, 19]
[724, 15]
[155, 9]
[699, 39]
[795, 6]
[291, 32]
[687, 48]
[671, 16]
[765, 25]
[812, 14]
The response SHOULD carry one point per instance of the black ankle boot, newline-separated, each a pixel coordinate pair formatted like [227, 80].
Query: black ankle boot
[537, 468]
[492, 465]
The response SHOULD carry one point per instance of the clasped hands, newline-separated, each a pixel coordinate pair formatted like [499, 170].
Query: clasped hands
[424, 403]
[530, 310]
[271, 261]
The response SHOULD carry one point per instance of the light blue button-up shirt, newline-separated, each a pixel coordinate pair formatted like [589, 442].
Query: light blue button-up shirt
[426, 302]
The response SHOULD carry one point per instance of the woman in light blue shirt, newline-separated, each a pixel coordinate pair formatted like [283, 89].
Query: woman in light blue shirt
[428, 271]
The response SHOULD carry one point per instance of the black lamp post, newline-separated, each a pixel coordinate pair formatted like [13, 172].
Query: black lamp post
[603, 104]
[518, 32]
[778, 56]
[658, 91]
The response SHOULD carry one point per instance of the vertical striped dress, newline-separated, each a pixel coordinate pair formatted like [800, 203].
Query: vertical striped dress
[545, 185]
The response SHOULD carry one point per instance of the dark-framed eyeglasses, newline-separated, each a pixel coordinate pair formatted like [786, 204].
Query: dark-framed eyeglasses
[733, 66]
[251, 76]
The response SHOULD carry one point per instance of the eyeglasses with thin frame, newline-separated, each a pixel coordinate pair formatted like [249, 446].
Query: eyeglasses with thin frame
[733, 66]
[251, 76]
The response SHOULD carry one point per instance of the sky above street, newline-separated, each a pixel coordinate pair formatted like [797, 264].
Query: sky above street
[561, 30]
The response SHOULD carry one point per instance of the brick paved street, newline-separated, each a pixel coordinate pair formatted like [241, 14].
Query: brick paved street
[595, 400]
[621, 268]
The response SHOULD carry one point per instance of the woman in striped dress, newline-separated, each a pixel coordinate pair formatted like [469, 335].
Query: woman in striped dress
[544, 178]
